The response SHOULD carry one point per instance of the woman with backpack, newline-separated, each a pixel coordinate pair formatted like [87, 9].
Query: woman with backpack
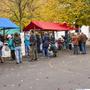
[17, 43]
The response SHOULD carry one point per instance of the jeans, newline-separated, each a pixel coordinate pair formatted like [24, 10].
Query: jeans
[83, 47]
[45, 51]
[27, 50]
[80, 47]
[18, 54]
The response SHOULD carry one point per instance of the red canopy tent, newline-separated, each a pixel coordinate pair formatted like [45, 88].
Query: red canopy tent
[67, 26]
[47, 26]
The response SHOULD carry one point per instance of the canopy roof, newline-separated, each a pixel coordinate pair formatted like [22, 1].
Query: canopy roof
[5, 23]
[47, 26]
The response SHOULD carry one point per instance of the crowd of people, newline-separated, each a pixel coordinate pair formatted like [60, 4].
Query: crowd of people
[75, 42]
[45, 44]
[34, 44]
[79, 42]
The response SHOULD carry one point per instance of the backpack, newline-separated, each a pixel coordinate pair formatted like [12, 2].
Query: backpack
[17, 41]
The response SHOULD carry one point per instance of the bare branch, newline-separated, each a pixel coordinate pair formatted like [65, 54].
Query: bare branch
[24, 6]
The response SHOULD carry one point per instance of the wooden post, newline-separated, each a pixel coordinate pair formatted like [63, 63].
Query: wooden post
[3, 34]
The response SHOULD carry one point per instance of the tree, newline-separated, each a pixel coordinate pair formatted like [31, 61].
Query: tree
[74, 11]
[47, 12]
[67, 11]
[16, 9]
[20, 10]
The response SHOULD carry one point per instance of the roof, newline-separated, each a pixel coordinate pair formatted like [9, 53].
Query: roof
[40, 25]
[6, 23]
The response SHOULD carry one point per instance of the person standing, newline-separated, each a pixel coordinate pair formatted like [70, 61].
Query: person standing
[46, 40]
[33, 47]
[38, 42]
[1, 46]
[27, 44]
[17, 43]
[75, 43]
[83, 43]
[10, 42]
[79, 42]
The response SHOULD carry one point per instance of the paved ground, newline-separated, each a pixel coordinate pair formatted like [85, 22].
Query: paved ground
[66, 72]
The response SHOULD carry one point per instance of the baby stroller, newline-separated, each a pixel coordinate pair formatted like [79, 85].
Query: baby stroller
[53, 49]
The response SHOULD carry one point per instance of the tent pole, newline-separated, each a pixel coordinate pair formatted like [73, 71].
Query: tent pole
[53, 33]
[4, 34]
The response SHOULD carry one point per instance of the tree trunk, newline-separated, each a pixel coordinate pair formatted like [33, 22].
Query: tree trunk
[20, 14]
[66, 39]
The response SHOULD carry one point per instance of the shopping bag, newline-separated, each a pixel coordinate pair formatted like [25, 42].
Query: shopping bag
[7, 48]
[6, 51]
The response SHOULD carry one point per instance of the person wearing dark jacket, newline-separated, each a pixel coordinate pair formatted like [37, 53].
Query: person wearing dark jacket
[17, 43]
[46, 40]
[38, 42]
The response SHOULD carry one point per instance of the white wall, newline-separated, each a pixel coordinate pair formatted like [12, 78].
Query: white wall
[85, 29]
[59, 34]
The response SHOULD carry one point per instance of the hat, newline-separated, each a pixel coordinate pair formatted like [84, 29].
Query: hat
[75, 33]
[45, 33]
[9, 36]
